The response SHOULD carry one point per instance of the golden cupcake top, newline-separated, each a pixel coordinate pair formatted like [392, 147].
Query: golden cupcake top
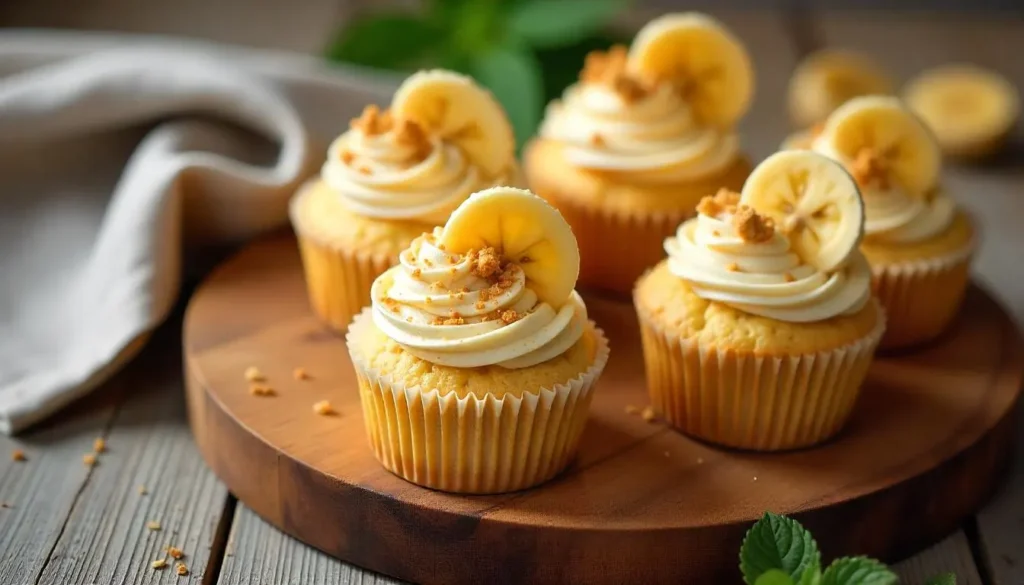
[494, 286]
[897, 165]
[786, 248]
[664, 109]
[442, 139]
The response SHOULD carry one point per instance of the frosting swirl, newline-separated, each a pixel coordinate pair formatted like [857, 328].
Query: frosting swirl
[891, 213]
[761, 275]
[393, 170]
[610, 121]
[469, 310]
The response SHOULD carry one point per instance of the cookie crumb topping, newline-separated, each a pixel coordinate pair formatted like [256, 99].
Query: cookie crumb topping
[373, 121]
[724, 202]
[869, 168]
[609, 68]
[752, 226]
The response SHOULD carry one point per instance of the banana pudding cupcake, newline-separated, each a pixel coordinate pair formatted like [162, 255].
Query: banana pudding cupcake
[476, 362]
[918, 242]
[394, 175]
[759, 327]
[629, 150]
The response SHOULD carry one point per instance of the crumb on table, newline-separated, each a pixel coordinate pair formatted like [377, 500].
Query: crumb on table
[142, 490]
[648, 414]
[300, 374]
[261, 390]
[324, 408]
[99, 445]
[89, 459]
[18, 455]
[253, 374]
[159, 564]
[153, 525]
[175, 552]
[181, 569]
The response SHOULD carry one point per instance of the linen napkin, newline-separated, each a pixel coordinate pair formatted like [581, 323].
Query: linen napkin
[118, 152]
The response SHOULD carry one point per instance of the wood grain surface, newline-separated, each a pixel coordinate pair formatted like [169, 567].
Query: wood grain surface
[930, 436]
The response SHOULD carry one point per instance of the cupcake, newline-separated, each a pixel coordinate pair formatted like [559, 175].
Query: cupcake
[630, 149]
[476, 362]
[392, 176]
[918, 242]
[759, 327]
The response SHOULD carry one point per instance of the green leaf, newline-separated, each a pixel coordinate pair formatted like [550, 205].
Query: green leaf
[858, 571]
[774, 577]
[390, 41]
[778, 542]
[556, 23]
[514, 76]
[943, 579]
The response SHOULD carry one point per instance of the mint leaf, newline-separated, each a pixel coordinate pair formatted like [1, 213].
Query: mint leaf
[774, 577]
[390, 41]
[778, 542]
[556, 23]
[858, 571]
[513, 75]
[943, 579]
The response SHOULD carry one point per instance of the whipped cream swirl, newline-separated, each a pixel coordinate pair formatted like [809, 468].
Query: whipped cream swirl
[384, 176]
[439, 307]
[655, 136]
[892, 214]
[764, 278]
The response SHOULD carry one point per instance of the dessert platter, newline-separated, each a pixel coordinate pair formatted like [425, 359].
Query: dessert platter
[603, 365]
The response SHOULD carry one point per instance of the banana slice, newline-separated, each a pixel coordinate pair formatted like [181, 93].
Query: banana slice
[527, 230]
[697, 54]
[969, 109]
[897, 143]
[812, 200]
[827, 79]
[453, 107]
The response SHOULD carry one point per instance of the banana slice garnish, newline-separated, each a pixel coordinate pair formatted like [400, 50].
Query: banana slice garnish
[702, 58]
[827, 79]
[524, 229]
[883, 144]
[455, 108]
[969, 109]
[813, 201]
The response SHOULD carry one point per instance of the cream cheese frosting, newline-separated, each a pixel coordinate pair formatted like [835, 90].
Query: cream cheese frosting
[610, 121]
[761, 275]
[393, 170]
[470, 310]
[891, 213]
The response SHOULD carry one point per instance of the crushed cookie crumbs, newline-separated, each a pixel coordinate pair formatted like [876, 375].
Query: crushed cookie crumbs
[324, 408]
[153, 525]
[347, 156]
[869, 168]
[410, 134]
[365, 170]
[417, 274]
[648, 414]
[175, 552]
[510, 316]
[159, 564]
[99, 445]
[372, 121]
[253, 374]
[300, 374]
[609, 68]
[181, 569]
[752, 226]
[142, 490]
[732, 267]
[18, 455]
[261, 390]
[789, 277]
[454, 321]
[721, 203]
[89, 459]
[487, 263]
[597, 140]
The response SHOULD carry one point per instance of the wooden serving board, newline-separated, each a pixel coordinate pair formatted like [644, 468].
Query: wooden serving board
[641, 504]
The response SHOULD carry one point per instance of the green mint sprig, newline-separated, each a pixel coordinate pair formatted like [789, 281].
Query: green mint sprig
[525, 51]
[778, 550]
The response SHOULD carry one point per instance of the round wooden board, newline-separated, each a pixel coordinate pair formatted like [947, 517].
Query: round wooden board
[641, 504]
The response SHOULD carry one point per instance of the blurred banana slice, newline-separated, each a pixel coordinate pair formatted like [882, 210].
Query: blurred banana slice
[884, 134]
[526, 230]
[702, 58]
[828, 78]
[455, 108]
[812, 200]
[969, 109]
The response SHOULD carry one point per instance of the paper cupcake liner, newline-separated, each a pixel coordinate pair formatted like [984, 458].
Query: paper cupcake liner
[921, 298]
[337, 280]
[473, 445]
[616, 249]
[749, 401]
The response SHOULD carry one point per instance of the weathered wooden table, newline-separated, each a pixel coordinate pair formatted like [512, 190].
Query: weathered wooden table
[64, 522]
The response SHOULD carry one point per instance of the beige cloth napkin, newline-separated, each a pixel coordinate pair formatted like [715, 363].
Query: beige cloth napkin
[118, 152]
